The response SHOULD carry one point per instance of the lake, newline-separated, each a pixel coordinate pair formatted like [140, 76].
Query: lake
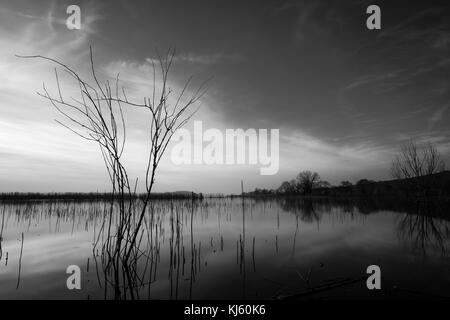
[227, 248]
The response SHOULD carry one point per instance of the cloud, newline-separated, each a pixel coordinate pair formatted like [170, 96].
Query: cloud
[208, 59]
[303, 151]
[342, 98]
[437, 116]
[202, 59]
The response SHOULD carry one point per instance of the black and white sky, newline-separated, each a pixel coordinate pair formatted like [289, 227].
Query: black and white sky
[344, 97]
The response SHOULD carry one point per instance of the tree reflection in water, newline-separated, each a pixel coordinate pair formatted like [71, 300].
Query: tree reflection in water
[426, 228]
[185, 242]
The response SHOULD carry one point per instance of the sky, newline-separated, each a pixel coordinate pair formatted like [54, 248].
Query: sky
[343, 97]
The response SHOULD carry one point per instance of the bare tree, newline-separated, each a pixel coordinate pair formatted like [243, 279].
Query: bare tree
[97, 115]
[417, 161]
[308, 180]
[288, 187]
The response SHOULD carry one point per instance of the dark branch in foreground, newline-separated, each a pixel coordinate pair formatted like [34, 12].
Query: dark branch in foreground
[97, 115]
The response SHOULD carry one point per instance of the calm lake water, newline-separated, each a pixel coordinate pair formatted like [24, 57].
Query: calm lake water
[222, 249]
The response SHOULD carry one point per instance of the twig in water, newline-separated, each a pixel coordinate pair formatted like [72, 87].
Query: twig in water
[20, 263]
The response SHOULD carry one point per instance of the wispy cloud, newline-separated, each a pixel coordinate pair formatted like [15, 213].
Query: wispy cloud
[343, 98]
[204, 59]
[437, 116]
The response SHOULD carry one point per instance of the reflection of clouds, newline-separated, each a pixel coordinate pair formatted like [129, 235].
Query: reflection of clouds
[44, 262]
[308, 232]
[47, 252]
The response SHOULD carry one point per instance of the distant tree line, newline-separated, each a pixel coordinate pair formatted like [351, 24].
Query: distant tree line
[93, 196]
[304, 183]
[413, 161]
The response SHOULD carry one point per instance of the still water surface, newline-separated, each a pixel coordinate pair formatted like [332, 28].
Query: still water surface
[222, 249]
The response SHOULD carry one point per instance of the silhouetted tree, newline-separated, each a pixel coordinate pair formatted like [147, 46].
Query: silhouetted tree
[288, 187]
[417, 161]
[308, 180]
[97, 115]
[346, 184]
[364, 181]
